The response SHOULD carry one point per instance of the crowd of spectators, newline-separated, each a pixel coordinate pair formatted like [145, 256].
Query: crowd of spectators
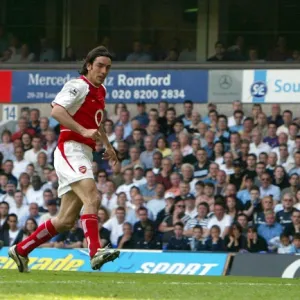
[184, 181]
[14, 50]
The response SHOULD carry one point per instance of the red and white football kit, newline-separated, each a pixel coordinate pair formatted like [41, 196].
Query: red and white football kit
[73, 156]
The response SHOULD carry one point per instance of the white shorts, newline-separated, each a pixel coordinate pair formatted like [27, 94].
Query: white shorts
[72, 162]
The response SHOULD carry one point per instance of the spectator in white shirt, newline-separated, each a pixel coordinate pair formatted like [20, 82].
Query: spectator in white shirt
[285, 160]
[158, 203]
[190, 206]
[236, 105]
[21, 209]
[33, 213]
[257, 146]
[109, 199]
[51, 143]
[52, 211]
[35, 193]
[128, 184]
[10, 189]
[268, 189]
[138, 177]
[31, 155]
[287, 117]
[227, 167]
[283, 139]
[20, 163]
[115, 225]
[220, 219]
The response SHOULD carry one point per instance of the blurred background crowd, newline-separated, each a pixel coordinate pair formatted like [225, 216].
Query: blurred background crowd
[184, 182]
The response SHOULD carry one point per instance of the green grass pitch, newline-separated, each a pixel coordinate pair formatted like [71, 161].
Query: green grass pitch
[46, 285]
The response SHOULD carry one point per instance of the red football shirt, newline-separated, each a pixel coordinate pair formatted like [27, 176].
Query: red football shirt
[85, 103]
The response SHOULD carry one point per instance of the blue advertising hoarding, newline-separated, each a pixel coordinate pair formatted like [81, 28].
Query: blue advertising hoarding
[147, 262]
[150, 86]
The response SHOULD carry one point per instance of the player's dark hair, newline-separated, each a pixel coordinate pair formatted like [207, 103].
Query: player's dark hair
[92, 55]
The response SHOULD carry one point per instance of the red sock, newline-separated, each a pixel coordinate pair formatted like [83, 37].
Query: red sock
[91, 233]
[43, 234]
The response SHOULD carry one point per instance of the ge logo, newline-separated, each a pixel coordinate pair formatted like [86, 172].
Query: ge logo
[258, 89]
[99, 117]
[225, 82]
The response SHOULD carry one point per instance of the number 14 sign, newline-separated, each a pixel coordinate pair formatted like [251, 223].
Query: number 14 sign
[9, 112]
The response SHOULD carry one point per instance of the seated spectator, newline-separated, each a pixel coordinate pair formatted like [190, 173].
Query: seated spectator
[20, 208]
[271, 138]
[197, 241]
[285, 245]
[233, 207]
[119, 107]
[115, 225]
[23, 128]
[47, 54]
[128, 183]
[220, 53]
[134, 159]
[268, 189]
[242, 219]
[258, 146]
[6, 147]
[287, 117]
[29, 228]
[142, 115]
[222, 220]
[69, 54]
[178, 241]
[255, 243]
[176, 214]
[4, 210]
[293, 185]
[276, 115]
[138, 54]
[158, 203]
[35, 193]
[20, 163]
[32, 154]
[126, 241]
[144, 221]
[214, 242]
[32, 213]
[235, 240]
[149, 241]
[109, 198]
[238, 118]
[284, 216]
[162, 147]
[165, 172]
[148, 189]
[271, 229]
[52, 211]
[294, 227]
[70, 239]
[162, 214]
[172, 55]
[8, 167]
[296, 244]
[200, 220]
[10, 190]
[101, 179]
[8, 236]
[26, 141]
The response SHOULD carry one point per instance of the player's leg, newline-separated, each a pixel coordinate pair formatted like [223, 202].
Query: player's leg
[87, 191]
[68, 213]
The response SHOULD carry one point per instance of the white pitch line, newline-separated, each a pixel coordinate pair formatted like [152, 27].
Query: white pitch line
[164, 283]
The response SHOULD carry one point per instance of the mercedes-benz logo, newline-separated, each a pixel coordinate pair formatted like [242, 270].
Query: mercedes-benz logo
[225, 82]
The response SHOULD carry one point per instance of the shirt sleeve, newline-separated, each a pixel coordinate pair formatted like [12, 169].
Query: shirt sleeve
[72, 92]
